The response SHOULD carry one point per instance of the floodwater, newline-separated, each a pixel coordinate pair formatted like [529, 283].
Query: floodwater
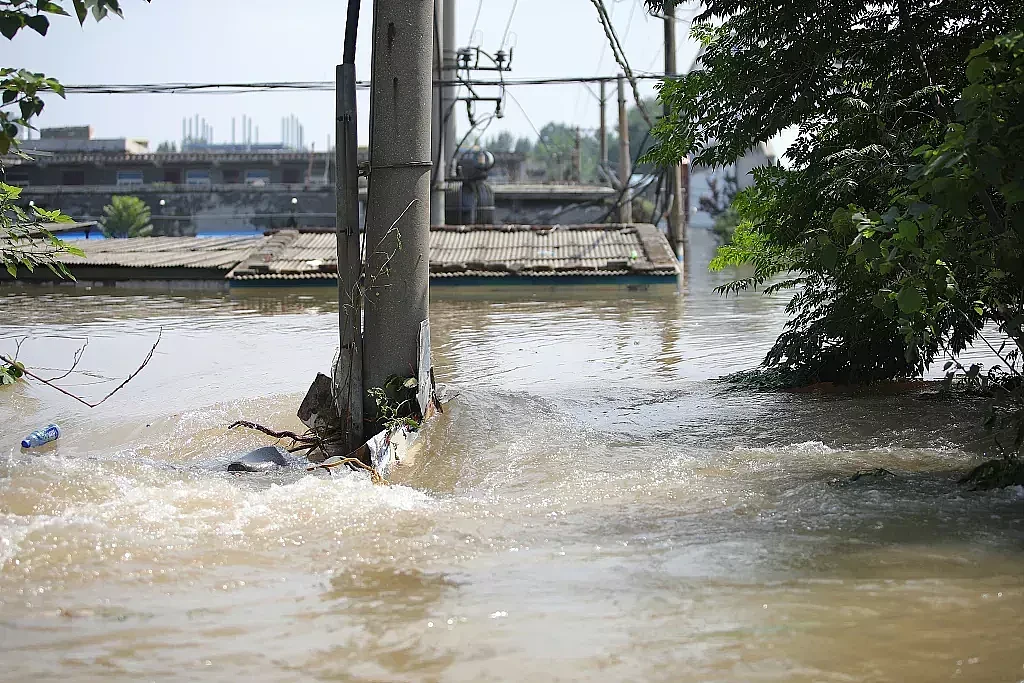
[592, 507]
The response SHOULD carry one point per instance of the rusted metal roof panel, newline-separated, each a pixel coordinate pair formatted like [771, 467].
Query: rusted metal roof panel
[222, 253]
[475, 250]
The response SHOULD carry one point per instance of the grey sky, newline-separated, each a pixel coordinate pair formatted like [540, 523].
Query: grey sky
[265, 40]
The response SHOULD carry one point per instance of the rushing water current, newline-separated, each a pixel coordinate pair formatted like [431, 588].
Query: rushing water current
[593, 506]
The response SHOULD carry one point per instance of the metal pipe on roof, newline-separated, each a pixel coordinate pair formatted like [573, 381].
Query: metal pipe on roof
[257, 135]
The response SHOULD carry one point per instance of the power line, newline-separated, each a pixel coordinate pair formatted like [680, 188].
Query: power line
[508, 26]
[316, 86]
[476, 20]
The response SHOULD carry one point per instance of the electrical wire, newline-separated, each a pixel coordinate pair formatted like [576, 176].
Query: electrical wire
[540, 138]
[620, 56]
[476, 21]
[320, 86]
[508, 26]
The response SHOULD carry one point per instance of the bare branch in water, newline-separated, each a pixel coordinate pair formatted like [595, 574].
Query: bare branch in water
[305, 439]
[78, 358]
[50, 382]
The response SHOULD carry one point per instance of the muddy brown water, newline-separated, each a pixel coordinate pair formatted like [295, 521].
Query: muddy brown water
[592, 507]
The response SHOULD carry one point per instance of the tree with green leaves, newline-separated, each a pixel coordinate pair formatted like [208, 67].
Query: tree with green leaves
[874, 89]
[503, 142]
[24, 240]
[126, 216]
[21, 102]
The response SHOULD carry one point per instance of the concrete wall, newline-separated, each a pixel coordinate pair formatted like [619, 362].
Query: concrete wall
[187, 211]
[106, 173]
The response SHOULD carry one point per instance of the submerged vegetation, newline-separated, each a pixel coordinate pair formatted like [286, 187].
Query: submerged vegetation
[898, 218]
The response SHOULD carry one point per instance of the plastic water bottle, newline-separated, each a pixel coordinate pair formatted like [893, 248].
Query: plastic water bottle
[42, 436]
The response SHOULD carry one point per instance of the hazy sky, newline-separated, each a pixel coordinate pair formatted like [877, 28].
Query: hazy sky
[300, 40]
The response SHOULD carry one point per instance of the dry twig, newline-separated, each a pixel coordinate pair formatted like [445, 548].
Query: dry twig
[375, 476]
[304, 439]
[50, 382]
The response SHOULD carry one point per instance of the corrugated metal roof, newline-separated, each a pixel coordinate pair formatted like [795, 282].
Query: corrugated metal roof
[479, 250]
[470, 251]
[222, 253]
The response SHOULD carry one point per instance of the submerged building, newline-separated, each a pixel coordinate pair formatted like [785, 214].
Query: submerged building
[242, 188]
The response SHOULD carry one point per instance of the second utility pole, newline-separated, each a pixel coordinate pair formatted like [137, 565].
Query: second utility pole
[625, 164]
[677, 215]
[439, 175]
[397, 213]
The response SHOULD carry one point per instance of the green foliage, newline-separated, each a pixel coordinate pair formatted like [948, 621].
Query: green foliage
[396, 403]
[24, 240]
[126, 217]
[879, 291]
[20, 102]
[554, 150]
[10, 373]
[503, 142]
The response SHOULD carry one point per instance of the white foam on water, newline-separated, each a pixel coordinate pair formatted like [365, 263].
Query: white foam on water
[103, 510]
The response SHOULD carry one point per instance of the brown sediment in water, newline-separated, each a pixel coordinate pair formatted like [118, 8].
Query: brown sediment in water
[591, 507]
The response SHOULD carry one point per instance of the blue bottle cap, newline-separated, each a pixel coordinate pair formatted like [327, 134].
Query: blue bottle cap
[26, 443]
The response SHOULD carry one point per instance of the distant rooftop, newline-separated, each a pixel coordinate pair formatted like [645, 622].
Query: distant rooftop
[79, 139]
[465, 253]
[483, 251]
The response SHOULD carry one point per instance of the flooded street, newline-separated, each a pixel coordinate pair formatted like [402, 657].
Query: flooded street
[592, 507]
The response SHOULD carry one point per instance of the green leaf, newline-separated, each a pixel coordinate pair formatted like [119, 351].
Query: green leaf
[55, 86]
[10, 24]
[909, 299]
[908, 230]
[1013, 192]
[51, 8]
[829, 256]
[38, 23]
[976, 69]
[81, 10]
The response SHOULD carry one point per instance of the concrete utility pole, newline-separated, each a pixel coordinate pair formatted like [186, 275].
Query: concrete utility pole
[603, 128]
[677, 215]
[449, 57]
[577, 158]
[438, 175]
[348, 375]
[625, 164]
[397, 215]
